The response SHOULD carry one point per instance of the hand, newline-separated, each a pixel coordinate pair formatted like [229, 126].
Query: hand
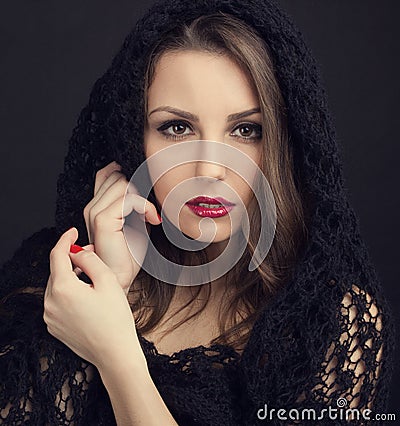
[95, 321]
[104, 221]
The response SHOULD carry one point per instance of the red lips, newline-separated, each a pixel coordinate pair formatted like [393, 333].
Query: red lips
[223, 206]
[208, 200]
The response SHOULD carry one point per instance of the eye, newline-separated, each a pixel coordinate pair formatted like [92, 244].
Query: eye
[178, 127]
[249, 131]
[175, 130]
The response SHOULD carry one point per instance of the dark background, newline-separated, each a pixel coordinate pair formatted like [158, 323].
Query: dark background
[52, 53]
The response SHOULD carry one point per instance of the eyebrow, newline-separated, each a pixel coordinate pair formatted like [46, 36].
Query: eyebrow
[195, 118]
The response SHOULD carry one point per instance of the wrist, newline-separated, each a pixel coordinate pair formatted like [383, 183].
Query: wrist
[117, 374]
[123, 362]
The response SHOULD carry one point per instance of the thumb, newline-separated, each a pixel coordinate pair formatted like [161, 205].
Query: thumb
[58, 260]
[68, 238]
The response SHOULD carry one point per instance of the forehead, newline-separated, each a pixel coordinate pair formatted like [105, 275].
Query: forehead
[200, 79]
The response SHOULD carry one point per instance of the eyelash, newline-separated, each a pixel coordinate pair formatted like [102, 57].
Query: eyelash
[162, 129]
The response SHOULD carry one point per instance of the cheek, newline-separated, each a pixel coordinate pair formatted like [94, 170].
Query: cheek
[248, 194]
[167, 182]
[243, 189]
[161, 189]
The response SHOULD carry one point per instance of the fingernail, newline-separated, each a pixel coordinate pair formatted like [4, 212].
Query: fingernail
[159, 217]
[75, 248]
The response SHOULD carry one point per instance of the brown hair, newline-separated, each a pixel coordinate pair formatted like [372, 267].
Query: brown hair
[223, 34]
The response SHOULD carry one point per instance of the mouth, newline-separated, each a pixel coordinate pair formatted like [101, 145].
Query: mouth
[210, 207]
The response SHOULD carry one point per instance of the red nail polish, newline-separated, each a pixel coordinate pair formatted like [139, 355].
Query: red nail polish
[159, 217]
[75, 248]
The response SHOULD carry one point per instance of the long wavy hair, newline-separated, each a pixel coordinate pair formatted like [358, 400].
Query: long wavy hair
[223, 34]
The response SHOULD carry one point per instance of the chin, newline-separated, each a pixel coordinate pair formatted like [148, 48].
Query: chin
[190, 227]
[221, 235]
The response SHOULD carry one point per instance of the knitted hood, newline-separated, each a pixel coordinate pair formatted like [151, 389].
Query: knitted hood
[332, 309]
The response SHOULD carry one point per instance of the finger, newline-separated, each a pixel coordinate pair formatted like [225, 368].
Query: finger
[60, 263]
[114, 191]
[89, 247]
[142, 206]
[123, 207]
[132, 189]
[48, 289]
[127, 204]
[89, 263]
[77, 271]
[103, 174]
[114, 177]
[87, 223]
[88, 211]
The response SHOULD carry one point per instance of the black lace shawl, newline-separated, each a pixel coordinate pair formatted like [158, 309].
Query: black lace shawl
[328, 335]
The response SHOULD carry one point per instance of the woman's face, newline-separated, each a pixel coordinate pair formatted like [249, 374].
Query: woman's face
[201, 91]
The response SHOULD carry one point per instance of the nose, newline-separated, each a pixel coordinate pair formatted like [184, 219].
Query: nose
[210, 164]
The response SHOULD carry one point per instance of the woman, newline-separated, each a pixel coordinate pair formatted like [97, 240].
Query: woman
[307, 329]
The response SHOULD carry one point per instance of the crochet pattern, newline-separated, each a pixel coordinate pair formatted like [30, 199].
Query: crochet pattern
[327, 335]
